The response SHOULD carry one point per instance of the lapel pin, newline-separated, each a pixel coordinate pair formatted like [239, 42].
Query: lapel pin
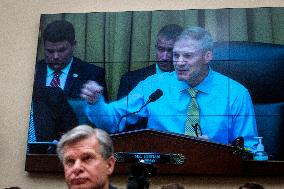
[75, 75]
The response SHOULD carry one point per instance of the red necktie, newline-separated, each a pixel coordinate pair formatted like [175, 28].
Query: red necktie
[55, 82]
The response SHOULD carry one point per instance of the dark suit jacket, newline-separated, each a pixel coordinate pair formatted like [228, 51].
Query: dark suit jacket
[52, 116]
[130, 79]
[79, 73]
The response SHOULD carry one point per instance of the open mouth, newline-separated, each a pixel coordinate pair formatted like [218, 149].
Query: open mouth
[55, 64]
[181, 71]
[78, 181]
[164, 62]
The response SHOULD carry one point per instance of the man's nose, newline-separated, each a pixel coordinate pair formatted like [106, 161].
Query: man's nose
[179, 60]
[166, 55]
[55, 55]
[77, 167]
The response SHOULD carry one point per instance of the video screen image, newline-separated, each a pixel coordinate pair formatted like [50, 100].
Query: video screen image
[132, 54]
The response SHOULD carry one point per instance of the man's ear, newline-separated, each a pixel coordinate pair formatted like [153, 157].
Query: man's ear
[208, 56]
[74, 43]
[110, 164]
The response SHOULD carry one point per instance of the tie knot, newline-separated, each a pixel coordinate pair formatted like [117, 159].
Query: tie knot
[55, 82]
[57, 73]
[192, 92]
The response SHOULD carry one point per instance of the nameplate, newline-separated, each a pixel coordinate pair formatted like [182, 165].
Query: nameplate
[149, 158]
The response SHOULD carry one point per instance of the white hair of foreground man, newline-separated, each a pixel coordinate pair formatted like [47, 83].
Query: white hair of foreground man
[83, 132]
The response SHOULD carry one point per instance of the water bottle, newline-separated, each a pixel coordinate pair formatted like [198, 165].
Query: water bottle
[260, 154]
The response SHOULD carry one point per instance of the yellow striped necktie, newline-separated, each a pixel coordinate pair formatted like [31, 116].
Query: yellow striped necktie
[192, 127]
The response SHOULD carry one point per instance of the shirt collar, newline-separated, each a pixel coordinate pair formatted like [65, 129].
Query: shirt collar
[158, 70]
[204, 86]
[65, 70]
[180, 85]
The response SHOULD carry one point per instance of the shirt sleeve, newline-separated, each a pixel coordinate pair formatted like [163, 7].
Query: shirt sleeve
[107, 116]
[243, 120]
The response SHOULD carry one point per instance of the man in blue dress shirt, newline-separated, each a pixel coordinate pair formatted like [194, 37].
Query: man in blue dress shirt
[225, 106]
[164, 63]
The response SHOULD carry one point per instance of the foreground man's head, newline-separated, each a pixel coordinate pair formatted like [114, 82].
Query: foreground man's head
[87, 157]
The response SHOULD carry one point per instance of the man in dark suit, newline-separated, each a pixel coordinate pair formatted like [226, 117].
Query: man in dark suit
[87, 156]
[164, 63]
[59, 45]
[164, 60]
[61, 70]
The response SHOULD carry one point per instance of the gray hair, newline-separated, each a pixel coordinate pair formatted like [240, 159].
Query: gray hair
[82, 132]
[199, 34]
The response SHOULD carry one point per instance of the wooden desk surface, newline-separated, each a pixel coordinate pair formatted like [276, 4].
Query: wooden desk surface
[202, 157]
[50, 163]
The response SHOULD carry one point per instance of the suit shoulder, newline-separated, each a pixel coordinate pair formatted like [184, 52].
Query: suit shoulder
[87, 67]
[40, 63]
[142, 72]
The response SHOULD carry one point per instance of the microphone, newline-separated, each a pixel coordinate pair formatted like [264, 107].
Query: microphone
[155, 96]
[152, 98]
